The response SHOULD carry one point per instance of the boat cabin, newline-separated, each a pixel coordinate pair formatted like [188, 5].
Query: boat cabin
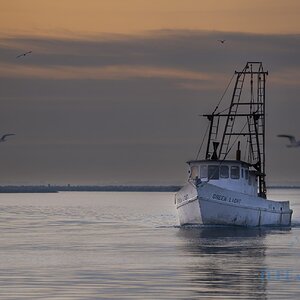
[233, 175]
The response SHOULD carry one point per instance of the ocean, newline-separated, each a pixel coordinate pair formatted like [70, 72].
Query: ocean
[128, 245]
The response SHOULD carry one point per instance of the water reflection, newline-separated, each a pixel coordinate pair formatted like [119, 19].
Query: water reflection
[227, 261]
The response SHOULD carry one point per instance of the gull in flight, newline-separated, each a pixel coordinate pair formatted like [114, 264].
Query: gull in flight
[293, 142]
[24, 54]
[3, 138]
[222, 41]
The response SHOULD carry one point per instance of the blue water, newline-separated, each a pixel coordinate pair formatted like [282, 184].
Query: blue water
[128, 246]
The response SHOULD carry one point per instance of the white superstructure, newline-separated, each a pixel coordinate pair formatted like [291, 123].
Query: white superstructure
[228, 198]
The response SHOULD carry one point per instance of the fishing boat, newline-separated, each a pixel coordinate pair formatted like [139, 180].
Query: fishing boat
[228, 186]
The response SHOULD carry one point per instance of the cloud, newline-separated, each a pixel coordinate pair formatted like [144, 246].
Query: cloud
[184, 59]
[164, 53]
[114, 72]
[114, 106]
[286, 77]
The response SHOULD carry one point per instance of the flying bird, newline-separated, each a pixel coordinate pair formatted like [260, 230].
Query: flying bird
[3, 138]
[222, 41]
[293, 142]
[24, 54]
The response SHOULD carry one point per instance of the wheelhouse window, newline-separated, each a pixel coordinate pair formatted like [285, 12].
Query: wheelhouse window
[235, 172]
[194, 172]
[246, 174]
[242, 173]
[203, 171]
[224, 171]
[213, 172]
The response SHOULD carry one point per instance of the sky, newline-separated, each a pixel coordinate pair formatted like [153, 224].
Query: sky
[113, 90]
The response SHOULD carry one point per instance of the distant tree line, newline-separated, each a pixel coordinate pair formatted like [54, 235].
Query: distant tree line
[84, 188]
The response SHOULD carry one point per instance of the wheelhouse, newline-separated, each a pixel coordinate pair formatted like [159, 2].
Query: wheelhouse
[231, 174]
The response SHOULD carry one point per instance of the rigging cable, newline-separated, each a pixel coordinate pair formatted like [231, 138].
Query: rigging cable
[223, 94]
[198, 153]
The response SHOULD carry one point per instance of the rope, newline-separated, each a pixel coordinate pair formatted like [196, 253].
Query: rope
[224, 93]
[198, 153]
[200, 148]
[223, 110]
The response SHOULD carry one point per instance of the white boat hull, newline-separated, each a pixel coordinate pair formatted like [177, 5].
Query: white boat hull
[212, 205]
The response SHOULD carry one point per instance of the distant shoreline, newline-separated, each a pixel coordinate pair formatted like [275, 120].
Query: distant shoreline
[104, 188]
[85, 188]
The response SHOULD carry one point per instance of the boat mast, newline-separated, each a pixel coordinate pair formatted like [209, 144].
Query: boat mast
[245, 118]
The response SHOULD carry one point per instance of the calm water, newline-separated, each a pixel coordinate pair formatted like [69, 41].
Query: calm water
[127, 246]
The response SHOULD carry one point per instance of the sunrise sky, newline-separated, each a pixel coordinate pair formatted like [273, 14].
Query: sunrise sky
[112, 90]
[79, 18]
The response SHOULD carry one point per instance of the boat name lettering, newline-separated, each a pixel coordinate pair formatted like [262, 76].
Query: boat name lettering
[219, 197]
[226, 199]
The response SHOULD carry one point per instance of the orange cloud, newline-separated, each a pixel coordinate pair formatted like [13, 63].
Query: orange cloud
[71, 17]
[116, 72]
[288, 77]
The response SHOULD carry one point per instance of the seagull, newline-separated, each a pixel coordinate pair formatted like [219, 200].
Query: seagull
[3, 138]
[222, 41]
[293, 142]
[24, 54]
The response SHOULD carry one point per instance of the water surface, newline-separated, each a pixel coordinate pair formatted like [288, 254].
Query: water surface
[128, 246]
